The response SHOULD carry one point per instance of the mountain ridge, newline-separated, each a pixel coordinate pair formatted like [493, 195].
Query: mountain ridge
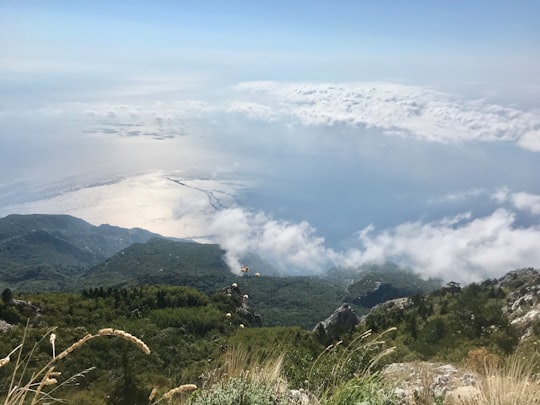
[48, 252]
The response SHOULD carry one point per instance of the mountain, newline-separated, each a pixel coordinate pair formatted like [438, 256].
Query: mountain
[63, 253]
[163, 261]
[301, 301]
[49, 252]
[372, 284]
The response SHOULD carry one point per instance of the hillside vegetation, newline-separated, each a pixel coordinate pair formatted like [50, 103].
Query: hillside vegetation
[50, 252]
[62, 253]
[195, 337]
[156, 316]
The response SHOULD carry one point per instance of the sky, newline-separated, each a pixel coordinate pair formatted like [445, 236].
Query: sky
[316, 134]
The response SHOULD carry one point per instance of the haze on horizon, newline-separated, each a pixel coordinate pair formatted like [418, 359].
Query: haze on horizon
[315, 134]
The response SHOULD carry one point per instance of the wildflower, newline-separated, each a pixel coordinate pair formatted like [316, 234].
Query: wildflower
[257, 274]
[246, 297]
[228, 315]
[241, 326]
[234, 285]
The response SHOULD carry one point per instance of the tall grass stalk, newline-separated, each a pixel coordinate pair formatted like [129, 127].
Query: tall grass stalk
[337, 364]
[253, 365]
[511, 383]
[245, 377]
[23, 386]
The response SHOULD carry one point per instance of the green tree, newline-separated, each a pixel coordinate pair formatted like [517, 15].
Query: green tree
[7, 296]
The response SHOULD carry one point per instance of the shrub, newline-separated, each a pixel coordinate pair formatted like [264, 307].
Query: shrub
[338, 364]
[240, 391]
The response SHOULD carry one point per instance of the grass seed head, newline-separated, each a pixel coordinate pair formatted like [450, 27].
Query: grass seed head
[4, 361]
[75, 346]
[152, 394]
[126, 336]
[178, 390]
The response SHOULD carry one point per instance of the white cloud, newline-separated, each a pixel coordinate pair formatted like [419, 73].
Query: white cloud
[253, 111]
[409, 111]
[398, 110]
[531, 141]
[501, 195]
[522, 201]
[294, 248]
[527, 202]
[459, 248]
[459, 196]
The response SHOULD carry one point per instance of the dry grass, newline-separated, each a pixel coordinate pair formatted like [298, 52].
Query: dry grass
[511, 383]
[250, 365]
[34, 387]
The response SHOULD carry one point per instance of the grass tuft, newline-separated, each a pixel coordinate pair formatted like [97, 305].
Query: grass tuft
[22, 386]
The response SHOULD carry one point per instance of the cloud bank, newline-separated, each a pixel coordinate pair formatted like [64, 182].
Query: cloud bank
[408, 111]
[293, 248]
[414, 112]
[460, 248]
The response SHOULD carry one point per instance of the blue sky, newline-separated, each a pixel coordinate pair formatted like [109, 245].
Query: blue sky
[467, 43]
[347, 131]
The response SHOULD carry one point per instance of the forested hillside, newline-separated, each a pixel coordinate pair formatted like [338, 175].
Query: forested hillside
[192, 336]
[50, 252]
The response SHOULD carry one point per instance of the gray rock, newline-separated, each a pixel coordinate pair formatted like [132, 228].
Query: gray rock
[341, 321]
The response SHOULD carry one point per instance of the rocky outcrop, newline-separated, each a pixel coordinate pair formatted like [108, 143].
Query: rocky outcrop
[423, 381]
[4, 326]
[382, 293]
[240, 305]
[343, 320]
[523, 306]
[400, 303]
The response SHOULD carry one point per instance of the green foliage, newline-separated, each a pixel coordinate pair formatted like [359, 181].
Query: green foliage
[292, 301]
[181, 326]
[199, 321]
[449, 322]
[343, 361]
[50, 252]
[239, 391]
[162, 261]
[62, 253]
[369, 390]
